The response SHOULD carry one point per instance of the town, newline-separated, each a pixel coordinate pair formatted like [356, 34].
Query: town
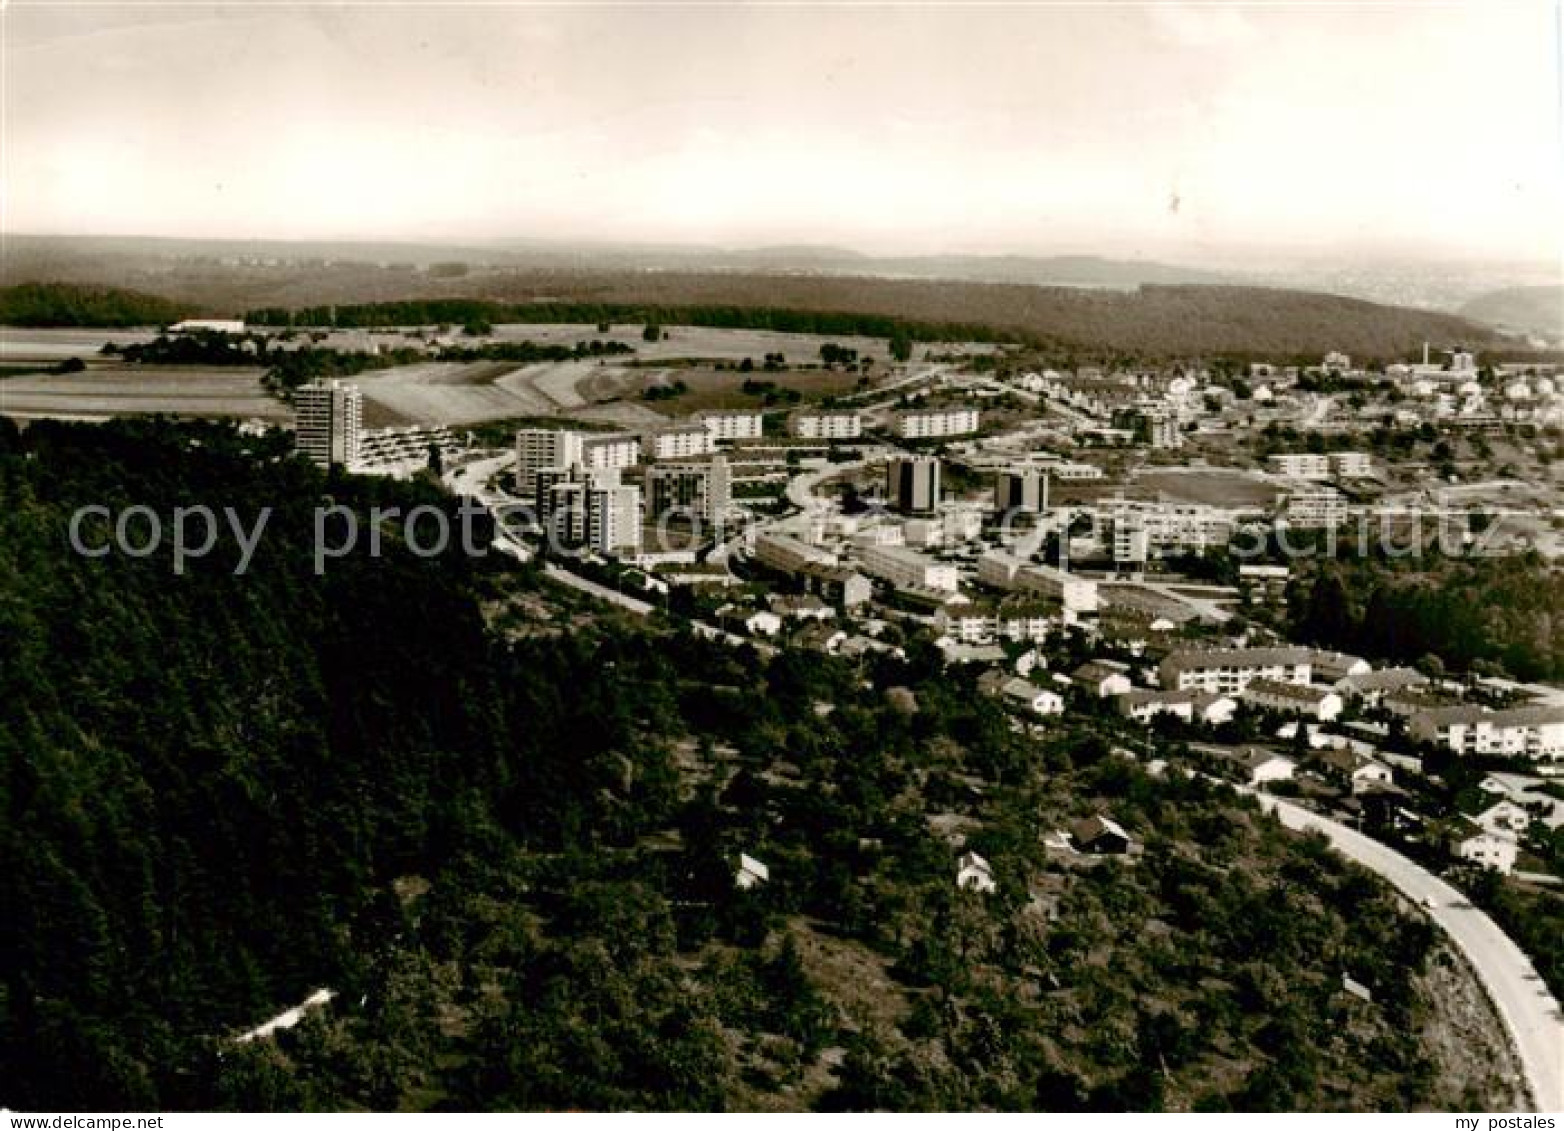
[1089, 542]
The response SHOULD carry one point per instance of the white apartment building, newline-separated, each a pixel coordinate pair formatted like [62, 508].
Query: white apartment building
[908, 569]
[539, 448]
[1351, 465]
[933, 423]
[590, 509]
[726, 427]
[1319, 467]
[828, 425]
[610, 449]
[786, 554]
[682, 442]
[1314, 509]
[1008, 572]
[1137, 529]
[328, 418]
[1301, 465]
[1520, 732]
[1227, 671]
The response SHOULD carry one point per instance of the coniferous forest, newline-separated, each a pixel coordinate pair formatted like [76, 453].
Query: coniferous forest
[501, 825]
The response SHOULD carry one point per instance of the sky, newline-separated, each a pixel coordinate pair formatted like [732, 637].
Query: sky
[1164, 130]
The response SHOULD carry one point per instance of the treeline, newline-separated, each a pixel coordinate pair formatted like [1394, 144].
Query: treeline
[70, 304]
[290, 365]
[1480, 614]
[461, 311]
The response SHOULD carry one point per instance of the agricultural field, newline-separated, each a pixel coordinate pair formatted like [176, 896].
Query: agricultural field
[51, 346]
[117, 390]
[609, 390]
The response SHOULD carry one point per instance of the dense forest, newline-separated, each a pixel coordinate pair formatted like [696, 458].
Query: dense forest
[68, 304]
[1481, 614]
[503, 826]
[1153, 321]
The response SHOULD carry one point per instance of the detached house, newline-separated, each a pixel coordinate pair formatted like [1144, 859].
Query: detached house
[1100, 836]
[973, 873]
[751, 873]
[1103, 678]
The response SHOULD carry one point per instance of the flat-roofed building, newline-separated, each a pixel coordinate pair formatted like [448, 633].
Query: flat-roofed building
[935, 423]
[727, 426]
[913, 484]
[1301, 465]
[827, 425]
[1021, 489]
[1314, 509]
[697, 490]
[1351, 465]
[787, 554]
[328, 418]
[681, 442]
[1008, 572]
[908, 569]
[610, 449]
[539, 448]
[589, 509]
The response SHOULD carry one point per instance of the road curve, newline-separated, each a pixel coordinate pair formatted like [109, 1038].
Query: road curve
[1518, 993]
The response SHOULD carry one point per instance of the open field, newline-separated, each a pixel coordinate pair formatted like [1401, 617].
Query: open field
[113, 390]
[17, 344]
[1214, 486]
[697, 342]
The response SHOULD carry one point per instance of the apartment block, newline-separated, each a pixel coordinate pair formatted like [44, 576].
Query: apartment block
[1227, 671]
[908, 569]
[1520, 732]
[935, 423]
[1316, 509]
[786, 554]
[539, 448]
[698, 490]
[1008, 572]
[725, 427]
[1351, 465]
[590, 509]
[328, 418]
[1301, 465]
[913, 485]
[682, 442]
[827, 425]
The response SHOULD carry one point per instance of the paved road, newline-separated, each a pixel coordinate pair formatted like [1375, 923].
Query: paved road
[601, 592]
[1529, 1011]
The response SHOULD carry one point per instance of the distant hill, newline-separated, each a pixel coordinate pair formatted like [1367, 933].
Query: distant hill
[49, 256]
[1535, 310]
[1109, 307]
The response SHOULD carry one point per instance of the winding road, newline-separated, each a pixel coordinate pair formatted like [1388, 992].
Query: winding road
[1518, 992]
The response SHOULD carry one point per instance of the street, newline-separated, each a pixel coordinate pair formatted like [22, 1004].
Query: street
[1518, 993]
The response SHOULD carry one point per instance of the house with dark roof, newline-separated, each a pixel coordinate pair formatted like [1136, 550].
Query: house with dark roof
[1100, 836]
